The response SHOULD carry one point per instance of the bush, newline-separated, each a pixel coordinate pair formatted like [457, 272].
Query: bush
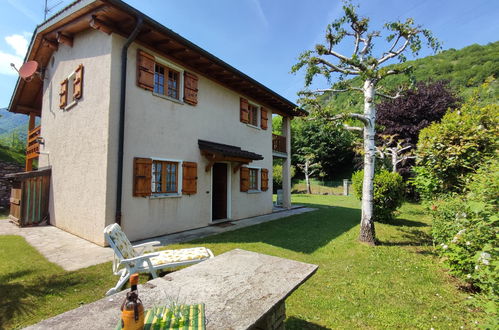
[388, 193]
[466, 229]
[454, 148]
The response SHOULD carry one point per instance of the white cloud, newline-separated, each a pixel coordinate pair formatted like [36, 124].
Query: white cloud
[6, 59]
[259, 11]
[19, 43]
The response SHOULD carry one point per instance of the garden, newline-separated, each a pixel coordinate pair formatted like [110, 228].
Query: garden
[399, 283]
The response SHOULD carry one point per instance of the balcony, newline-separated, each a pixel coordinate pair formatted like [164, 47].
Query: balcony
[278, 143]
[33, 147]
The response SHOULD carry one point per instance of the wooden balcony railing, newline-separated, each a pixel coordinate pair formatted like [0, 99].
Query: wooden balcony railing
[278, 143]
[33, 146]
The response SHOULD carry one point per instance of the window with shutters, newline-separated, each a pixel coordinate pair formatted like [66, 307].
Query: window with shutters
[158, 178]
[253, 115]
[165, 79]
[71, 89]
[254, 179]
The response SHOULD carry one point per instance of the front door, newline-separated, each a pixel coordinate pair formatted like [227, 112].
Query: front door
[219, 201]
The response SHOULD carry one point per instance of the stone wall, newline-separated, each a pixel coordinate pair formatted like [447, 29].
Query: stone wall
[7, 168]
[274, 319]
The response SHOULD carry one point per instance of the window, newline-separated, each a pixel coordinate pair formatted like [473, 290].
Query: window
[253, 179]
[172, 77]
[253, 114]
[71, 89]
[164, 177]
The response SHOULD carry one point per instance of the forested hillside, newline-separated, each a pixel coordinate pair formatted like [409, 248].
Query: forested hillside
[464, 69]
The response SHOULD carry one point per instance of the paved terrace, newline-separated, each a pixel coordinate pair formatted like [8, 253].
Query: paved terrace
[60, 247]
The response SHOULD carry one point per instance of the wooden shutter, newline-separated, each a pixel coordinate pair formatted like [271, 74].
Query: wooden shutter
[142, 171]
[263, 118]
[244, 111]
[244, 179]
[78, 83]
[265, 179]
[189, 178]
[63, 94]
[190, 88]
[145, 70]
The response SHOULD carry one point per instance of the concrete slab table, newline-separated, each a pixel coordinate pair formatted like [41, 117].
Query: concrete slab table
[241, 290]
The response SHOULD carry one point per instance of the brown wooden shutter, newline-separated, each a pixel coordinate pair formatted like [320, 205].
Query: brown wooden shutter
[244, 179]
[244, 111]
[78, 83]
[145, 70]
[190, 88]
[63, 94]
[263, 118]
[142, 171]
[265, 179]
[189, 178]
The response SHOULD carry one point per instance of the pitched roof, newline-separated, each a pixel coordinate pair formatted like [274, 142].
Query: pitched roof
[121, 18]
[227, 150]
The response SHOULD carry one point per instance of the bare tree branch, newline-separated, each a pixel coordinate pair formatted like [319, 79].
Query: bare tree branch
[337, 68]
[405, 158]
[392, 54]
[332, 90]
[392, 97]
[353, 128]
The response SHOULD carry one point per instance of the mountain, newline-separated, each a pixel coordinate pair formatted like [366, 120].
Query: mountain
[464, 69]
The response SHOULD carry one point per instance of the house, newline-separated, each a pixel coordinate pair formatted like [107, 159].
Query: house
[141, 127]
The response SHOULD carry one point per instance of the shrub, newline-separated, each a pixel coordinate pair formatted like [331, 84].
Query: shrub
[388, 193]
[454, 148]
[277, 176]
[466, 229]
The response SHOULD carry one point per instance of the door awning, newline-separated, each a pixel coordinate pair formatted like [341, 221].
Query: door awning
[218, 152]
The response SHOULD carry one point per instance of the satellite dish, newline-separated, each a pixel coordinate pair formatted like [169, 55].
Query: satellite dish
[27, 70]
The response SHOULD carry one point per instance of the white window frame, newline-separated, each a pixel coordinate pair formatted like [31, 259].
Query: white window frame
[70, 91]
[258, 115]
[180, 71]
[179, 183]
[258, 180]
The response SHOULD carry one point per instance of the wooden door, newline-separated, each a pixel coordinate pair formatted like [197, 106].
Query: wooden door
[219, 200]
[15, 202]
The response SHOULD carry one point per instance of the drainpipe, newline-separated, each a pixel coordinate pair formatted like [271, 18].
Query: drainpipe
[121, 138]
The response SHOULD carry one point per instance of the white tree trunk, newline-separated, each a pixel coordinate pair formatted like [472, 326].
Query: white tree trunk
[367, 232]
[394, 160]
[307, 176]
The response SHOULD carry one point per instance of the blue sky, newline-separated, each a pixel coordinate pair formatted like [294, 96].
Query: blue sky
[262, 38]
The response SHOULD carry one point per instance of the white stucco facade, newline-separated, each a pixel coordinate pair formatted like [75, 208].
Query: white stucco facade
[82, 143]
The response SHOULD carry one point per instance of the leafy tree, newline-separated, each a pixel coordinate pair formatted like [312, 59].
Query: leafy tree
[328, 141]
[454, 148]
[420, 106]
[325, 61]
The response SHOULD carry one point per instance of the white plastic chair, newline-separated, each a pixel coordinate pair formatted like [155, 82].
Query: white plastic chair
[130, 259]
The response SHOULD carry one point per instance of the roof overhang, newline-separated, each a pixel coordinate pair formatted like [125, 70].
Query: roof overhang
[115, 16]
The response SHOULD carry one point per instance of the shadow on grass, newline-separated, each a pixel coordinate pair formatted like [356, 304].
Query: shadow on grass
[20, 298]
[299, 324]
[304, 232]
[411, 237]
[406, 223]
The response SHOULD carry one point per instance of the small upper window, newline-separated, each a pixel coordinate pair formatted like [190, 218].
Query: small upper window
[253, 114]
[172, 78]
[253, 179]
[164, 177]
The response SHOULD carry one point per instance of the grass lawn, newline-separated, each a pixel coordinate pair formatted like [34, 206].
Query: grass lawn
[398, 284]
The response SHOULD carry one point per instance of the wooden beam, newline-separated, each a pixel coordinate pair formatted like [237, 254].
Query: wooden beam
[64, 39]
[162, 42]
[24, 108]
[50, 44]
[100, 25]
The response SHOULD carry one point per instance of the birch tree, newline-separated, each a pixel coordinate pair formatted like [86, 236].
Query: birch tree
[402, 37]
[309, 167]
[397, 151]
